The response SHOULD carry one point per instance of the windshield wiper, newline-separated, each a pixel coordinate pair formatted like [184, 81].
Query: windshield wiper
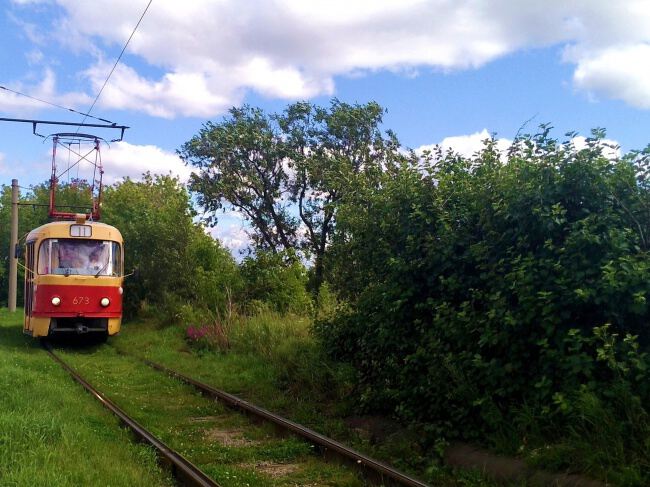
[102, 269]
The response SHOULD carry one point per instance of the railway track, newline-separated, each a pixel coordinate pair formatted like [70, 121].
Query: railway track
[378, 472]
[375, 472]
[182, 469]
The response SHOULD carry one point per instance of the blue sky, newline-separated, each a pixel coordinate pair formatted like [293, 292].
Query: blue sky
[448, 72]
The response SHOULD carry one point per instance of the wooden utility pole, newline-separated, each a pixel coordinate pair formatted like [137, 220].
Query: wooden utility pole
[13, 261]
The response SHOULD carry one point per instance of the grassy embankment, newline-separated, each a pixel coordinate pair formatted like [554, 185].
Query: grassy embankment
[53, 434]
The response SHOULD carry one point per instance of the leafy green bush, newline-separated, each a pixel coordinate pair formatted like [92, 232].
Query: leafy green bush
[276, 281]
[477, 285]
[178, 263]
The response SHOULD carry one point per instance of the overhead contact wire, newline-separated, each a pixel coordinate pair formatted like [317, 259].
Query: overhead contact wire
[118, 61]
[54, 104]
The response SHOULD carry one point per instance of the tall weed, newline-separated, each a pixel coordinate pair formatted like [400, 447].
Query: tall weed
[284, 341]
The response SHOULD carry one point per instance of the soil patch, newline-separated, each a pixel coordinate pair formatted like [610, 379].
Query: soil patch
[274, 470]
[229, 438]
[507, 469]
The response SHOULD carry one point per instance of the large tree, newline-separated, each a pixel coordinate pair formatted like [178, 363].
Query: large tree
[287, 172]
[242, 163]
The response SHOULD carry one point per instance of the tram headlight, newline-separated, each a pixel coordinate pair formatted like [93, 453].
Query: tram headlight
[105, 302]
[56, 301]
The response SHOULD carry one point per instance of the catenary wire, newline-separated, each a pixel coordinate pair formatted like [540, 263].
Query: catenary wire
[117, 61]
[87, 114]
[53, 104]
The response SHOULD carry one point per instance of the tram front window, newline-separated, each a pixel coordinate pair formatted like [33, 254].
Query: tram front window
[82, 257]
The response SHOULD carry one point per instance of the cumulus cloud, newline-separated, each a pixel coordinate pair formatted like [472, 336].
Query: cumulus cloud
[45, 90]
[610, 148]
[469, 145]
[175, 93]
[123, 159]
[466, 145]
[621, 73]
[208, 53]
[232, 232]
[3, 166]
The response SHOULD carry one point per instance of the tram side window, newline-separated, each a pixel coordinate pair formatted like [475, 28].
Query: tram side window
[44, 264]
[51, 257]
[116, 264]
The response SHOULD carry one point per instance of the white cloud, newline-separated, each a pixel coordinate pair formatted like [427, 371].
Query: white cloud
[466, 145]
[23, 169]
[210, 52]
[610, 148]
[621, 73]
[185, 94]
[4, 169]
[469, 145]
[122, 159]
[232, 232]
[45, 90]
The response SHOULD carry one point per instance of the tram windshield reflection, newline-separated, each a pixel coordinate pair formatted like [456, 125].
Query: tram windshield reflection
[79, 257]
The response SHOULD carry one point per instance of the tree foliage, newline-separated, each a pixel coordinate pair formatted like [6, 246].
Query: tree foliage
[286, 172]
[242, 163]
[276, 281]
[331, 149]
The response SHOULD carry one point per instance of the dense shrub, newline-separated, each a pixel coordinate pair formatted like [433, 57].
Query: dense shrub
[179, 266]
[275, 281]
[478, 285]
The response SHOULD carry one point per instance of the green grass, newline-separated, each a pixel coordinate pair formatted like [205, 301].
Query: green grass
[608, 442]
[51, 432]
[225, 444]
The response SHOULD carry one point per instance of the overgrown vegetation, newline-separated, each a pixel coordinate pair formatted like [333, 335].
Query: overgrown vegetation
[504, 295]
[274, 361]
[177, 262]
[500, 298]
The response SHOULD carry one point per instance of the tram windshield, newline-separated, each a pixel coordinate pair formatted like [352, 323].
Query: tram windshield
[67, 256]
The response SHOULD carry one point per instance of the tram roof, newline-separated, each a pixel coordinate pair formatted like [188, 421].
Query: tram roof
[62, 229]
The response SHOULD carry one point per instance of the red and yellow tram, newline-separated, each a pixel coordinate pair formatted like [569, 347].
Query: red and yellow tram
[73, 279]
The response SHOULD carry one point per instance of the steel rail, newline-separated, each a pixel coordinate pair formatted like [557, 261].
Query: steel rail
[184, 470]
[379, 470]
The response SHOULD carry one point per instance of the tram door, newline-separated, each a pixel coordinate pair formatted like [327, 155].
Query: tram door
[30, 259]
